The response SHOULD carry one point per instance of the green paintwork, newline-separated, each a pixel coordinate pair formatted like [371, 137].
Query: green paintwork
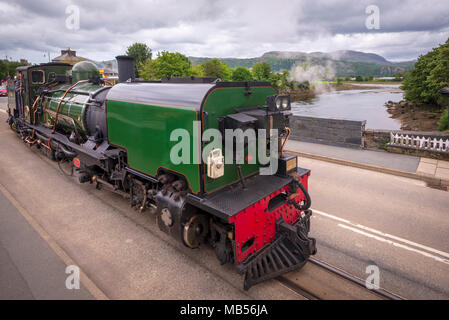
[144, 131]
[221, 102]
[73, 107]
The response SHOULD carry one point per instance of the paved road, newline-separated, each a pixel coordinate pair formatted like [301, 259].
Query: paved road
[361, 218]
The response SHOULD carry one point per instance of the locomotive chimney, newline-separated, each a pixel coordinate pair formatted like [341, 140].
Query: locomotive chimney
[125, 68]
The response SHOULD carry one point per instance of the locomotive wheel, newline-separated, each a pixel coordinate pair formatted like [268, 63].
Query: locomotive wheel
[64, 163]
[195, 231]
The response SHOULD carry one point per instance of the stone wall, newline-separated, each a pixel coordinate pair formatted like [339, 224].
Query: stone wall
[376, 139]
[419, 153]
[351, 133]
[339, 132]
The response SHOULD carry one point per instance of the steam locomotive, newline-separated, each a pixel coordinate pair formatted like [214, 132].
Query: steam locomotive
[123, 137]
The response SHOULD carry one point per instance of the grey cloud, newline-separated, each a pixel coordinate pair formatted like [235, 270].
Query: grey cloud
[346, 16]
[222, 28]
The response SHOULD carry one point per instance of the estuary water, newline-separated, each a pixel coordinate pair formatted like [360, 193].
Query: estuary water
[366, 104]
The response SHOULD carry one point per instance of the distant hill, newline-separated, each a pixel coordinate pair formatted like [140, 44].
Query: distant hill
[345, 63]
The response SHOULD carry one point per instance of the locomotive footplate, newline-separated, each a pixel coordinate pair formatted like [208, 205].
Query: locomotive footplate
[229, 201]
[290, 251]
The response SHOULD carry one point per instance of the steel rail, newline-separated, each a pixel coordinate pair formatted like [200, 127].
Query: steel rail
[297, 288]
[379, 291]
[308, 294]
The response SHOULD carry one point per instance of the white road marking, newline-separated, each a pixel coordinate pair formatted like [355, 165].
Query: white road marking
[383, 234]
[4, 111]
[396, 244]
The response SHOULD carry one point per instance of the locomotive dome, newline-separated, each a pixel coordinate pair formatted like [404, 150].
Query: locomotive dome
[84, 70]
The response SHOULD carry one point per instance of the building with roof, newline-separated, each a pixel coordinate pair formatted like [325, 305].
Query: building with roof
[68, 56]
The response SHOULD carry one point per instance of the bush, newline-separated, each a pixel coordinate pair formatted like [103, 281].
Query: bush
[443, 121]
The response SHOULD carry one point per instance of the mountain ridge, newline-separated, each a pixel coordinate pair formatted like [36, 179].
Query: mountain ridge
[345, 55]
[344, 62]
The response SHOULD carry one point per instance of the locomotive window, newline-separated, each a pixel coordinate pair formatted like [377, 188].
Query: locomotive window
[37, 77]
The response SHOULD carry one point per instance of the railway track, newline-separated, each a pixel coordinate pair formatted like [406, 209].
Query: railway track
[308, 288]
[305, 282]
[336, 284]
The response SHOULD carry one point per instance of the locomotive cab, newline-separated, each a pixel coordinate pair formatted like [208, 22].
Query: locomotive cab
[23, 91]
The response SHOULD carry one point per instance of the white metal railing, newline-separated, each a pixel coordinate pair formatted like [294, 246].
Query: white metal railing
[419, 142]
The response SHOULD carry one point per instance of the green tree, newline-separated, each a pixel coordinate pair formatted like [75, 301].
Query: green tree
[261, 71]
[429, 75]
[241, 74]
[275, 79]
[3, 69]
[216, 68]
[141, 53]
[284, 79]
[167, 64]
[196, 70]
[9, 67]
[359, 78]
[439, 75]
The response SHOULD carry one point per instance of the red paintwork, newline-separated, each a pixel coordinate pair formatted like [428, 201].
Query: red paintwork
[76, 162]
[255, 221]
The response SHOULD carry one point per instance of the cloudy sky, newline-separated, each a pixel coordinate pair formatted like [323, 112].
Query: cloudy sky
[224, 28]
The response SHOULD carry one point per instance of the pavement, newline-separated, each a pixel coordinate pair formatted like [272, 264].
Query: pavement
[434, 172]
[362, 218]
[433, 168]
[370, 157]
[29, 267]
